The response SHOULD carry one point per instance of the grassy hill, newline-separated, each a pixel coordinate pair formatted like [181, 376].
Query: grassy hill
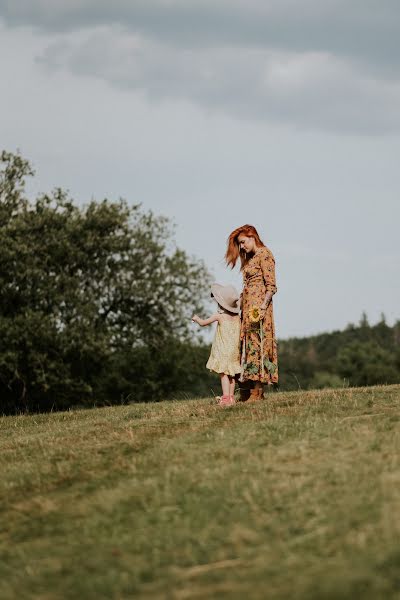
[297, 497]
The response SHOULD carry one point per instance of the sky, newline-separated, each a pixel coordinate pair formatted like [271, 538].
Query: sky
[284, 114]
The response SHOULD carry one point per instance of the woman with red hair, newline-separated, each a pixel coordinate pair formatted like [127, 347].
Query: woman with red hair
[259, 358]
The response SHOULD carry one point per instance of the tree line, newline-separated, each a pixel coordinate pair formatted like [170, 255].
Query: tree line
[360, 355]
[95, 307]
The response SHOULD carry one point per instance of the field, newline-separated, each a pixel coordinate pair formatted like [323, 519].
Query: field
[296, 497]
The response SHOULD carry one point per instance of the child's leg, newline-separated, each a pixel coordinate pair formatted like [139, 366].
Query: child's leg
[231, 386]
[225, 384]
[227, 390]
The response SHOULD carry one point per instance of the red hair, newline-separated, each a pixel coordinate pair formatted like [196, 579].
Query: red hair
[233, 251]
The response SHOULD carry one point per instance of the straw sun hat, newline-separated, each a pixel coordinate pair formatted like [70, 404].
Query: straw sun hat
[226, 296]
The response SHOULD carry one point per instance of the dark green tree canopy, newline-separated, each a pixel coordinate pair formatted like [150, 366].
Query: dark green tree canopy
[357, 356]
[80, 286]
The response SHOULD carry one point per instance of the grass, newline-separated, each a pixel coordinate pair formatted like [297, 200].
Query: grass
[296, 497]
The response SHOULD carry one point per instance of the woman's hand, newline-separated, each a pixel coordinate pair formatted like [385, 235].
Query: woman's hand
[267, 300]
[196, 319]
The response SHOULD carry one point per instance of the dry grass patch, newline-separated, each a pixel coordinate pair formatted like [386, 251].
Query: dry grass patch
[295, 497]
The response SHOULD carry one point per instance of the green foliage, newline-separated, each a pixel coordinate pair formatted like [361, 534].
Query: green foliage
[357, 356]
[143, 373]
[82, 292]
[367, 363]
[323, 380]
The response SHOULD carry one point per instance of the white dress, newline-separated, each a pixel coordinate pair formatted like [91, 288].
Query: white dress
[225, 354]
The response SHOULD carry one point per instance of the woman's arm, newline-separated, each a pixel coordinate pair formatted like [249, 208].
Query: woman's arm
[267, 263]
[204, 322]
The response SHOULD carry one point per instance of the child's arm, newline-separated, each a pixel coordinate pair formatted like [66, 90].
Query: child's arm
[204, 322]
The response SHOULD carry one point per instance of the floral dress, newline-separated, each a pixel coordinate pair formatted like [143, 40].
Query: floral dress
[258, 343]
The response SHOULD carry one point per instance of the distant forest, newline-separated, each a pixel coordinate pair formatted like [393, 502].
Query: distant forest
[360, 355]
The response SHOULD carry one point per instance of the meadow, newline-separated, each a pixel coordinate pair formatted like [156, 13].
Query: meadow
[295, 497]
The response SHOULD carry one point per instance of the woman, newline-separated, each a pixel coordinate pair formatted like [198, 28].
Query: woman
[259, 358]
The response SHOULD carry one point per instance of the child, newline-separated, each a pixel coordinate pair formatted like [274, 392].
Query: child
[224, 357]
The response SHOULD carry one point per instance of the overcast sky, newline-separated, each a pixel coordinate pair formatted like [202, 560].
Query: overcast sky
[280, 113]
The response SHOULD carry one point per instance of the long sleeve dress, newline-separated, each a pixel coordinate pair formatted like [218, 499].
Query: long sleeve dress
[259, 356]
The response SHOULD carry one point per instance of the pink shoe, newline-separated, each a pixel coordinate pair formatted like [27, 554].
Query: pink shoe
[226, 401]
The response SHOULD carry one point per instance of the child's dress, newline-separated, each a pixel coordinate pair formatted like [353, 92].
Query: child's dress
[225, 355]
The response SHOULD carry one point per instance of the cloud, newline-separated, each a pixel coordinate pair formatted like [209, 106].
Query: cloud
[308, 89]
[362, 29]
[331, 65]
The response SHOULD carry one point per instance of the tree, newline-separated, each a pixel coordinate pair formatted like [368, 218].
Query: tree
[367, 363]
[364, 320]
[82, 287]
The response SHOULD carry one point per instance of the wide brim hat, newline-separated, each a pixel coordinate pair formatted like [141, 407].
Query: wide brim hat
[227, 296]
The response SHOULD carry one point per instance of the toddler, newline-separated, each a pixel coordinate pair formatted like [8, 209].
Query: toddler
[224, 357]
